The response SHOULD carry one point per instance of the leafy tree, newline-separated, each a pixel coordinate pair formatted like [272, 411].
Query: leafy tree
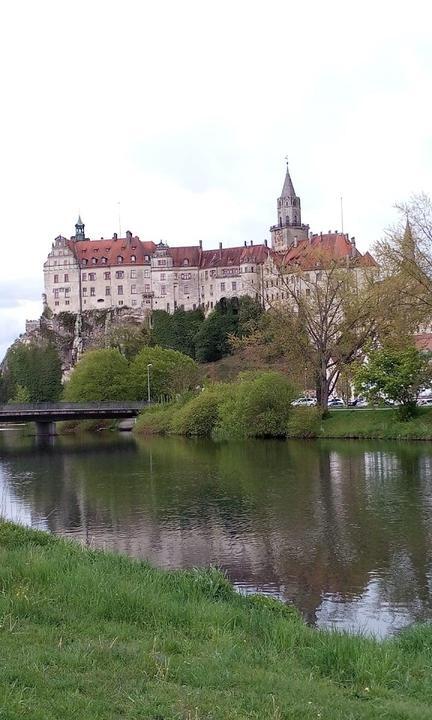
[171, 372]
[229, 318]
[200, 415]
[22, 395]
[36, 369]
[397, 375]
[177, 331]
[129, 339]
[99, 375]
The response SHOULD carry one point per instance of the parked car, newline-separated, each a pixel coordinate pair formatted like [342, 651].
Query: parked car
[304, 402]
[336, 402]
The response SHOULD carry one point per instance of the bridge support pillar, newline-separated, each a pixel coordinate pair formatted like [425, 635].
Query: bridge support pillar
[45, 429]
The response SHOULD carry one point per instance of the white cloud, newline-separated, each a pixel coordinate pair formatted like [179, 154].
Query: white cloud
[184, 112]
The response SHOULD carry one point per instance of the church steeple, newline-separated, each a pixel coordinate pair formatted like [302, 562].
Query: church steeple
[289, 208]
[289, 228]
[79, 229]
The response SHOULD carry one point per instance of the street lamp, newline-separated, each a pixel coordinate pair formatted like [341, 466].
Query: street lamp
[148, 381]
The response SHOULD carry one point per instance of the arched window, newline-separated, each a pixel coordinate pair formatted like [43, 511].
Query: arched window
[119, 259]
[185, 262]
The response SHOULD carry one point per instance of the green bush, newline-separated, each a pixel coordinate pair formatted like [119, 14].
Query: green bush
[200, 415]
[157, 420]
[304, 422]
[99, 375]
[258, 405]
[171, 373]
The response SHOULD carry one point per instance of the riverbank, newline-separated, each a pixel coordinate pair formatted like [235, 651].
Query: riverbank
[367, 423]
[92, 634]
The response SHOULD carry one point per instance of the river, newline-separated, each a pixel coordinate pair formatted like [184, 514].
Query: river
[342, 529]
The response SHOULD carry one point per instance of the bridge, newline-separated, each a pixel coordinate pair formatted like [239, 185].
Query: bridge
[46, 414]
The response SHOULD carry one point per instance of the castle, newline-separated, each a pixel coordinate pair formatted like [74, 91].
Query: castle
[82, 274]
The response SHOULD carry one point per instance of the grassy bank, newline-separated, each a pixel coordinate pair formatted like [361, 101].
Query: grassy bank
[86, 634]
[378, 424]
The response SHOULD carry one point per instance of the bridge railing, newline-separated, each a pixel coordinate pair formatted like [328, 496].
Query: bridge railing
[53, 406]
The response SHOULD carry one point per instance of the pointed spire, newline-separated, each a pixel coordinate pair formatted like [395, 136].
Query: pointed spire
[79, 221]
[408, 244]
[288, 187]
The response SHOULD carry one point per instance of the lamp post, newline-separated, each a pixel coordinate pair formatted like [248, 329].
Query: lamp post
[148, 381]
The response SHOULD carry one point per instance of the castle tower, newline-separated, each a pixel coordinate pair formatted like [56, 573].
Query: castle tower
[289, 228]
[79, 229]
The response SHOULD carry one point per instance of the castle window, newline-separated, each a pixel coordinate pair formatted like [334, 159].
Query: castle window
[94, 260]
[146, 288]
[163, 289]
[107, 291]
[162, 276]
[133, 289]
[84, 262]
[56, 293]
[103, 260]
[147, 273]
[92, 291]
[56, 278]
[147, 258]
[120, 290]
[186, 290]
[56, 302]
[119, 274]
[119, 259]
[133, 274]
[234, 285]
[222, 287]
[66, 278]
[67, 302]
[120, 302]
[133, 258]
[84, 277]
[185, 262]
[84, 291]
[107, 276]
[134, 302]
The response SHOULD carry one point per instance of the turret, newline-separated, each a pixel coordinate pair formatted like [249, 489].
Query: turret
[79, 229]
[289, 224]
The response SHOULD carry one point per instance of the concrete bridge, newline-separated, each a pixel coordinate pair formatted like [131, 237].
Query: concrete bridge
[46, 414]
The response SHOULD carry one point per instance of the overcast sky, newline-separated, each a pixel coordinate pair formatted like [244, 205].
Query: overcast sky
[183, 112]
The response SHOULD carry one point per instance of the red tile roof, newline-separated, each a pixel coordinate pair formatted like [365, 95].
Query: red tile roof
[226, 257]
[323, 248]
[191, 254]
[111, 249]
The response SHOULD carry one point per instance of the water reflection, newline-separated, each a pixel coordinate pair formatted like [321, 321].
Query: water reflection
[342, 529]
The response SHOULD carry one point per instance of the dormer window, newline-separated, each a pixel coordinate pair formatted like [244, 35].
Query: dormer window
[103, 260]
[94, 261]
[147, 258]
[119, 259]
[133, 258]
[84, 262]
[185, 262]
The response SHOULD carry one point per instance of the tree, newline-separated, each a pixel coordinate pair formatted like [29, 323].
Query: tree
[36, 369]
[100, 375]
[397, 375]
[129, 339]
[171, 372]
[232, 317]
[177, 331]
[327, 316]
[405, 254]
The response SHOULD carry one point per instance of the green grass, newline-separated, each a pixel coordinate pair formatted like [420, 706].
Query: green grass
[86, 634]
[374, 423]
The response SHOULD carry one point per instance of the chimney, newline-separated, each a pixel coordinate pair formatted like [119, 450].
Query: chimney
[200, 244]
[220, 249]
[295, 241]
[353, 247]
[265, 242]
[245, 243]
[251, 243]
[114, 237]
[128, 235]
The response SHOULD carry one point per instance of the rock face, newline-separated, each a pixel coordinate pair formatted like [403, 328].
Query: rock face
[73, 333]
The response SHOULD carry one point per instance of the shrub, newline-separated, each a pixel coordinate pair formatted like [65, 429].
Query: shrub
[157, 420]
[99, 375]
[171, 373]
[304, 422]
[200, 415]
[258, 406]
